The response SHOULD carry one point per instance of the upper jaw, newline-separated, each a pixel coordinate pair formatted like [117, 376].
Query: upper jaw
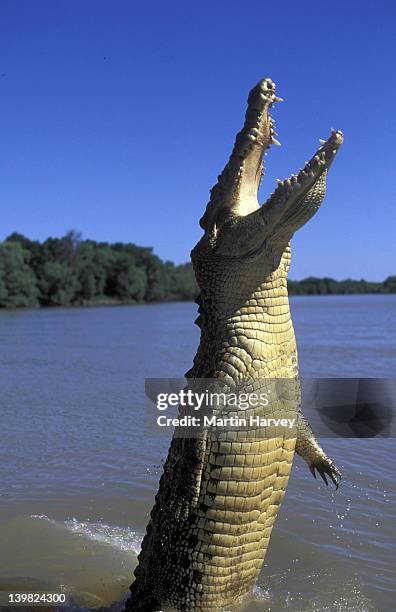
[259, 125]
[257, 135]
[236, 189]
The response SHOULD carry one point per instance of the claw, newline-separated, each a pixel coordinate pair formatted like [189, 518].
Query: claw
[322, 474]
[335, 475]
[328, 469]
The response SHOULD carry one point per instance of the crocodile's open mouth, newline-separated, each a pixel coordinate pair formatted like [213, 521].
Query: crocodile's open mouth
[297, 198]
[294, 200]
[261, 135]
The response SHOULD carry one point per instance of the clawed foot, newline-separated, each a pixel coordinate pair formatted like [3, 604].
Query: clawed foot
[326, 466]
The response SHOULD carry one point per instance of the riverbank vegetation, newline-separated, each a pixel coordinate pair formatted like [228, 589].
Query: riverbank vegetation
[71, 271]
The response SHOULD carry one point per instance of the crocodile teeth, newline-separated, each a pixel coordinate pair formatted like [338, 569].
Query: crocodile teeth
[278, 99]
[276, 142]
[322, 142]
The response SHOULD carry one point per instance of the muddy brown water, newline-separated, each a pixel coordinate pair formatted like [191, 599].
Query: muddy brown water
[78, 475]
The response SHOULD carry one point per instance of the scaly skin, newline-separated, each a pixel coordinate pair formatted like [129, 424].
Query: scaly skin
[220, 493]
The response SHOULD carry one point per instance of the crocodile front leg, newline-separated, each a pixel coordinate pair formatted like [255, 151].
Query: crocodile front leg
[308, 448]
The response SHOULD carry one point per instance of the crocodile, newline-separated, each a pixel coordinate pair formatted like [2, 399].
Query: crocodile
[220, 491]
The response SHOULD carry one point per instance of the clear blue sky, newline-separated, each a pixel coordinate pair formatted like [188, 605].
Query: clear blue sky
[117, 116]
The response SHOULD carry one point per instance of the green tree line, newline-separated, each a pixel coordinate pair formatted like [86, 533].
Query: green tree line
[329, 286]
[71, 271]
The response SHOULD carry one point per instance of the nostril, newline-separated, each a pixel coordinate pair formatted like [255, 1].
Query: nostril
[266, 85]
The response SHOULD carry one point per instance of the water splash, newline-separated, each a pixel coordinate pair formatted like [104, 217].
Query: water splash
[122, 538]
